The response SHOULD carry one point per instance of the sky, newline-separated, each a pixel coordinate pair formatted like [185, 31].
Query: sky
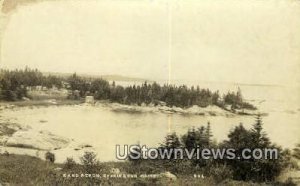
[226, 41]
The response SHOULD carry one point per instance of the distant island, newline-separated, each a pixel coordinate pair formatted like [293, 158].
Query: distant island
[111, 77]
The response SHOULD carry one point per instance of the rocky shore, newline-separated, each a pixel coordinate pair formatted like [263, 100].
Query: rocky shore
[210, 110]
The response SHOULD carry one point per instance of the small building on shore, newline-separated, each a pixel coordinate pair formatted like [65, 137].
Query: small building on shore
[89, 99]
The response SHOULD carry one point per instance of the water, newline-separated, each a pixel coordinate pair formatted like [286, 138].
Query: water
[103, 128]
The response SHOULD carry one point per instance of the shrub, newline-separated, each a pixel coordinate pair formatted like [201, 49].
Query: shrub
[69, 163]
[50, 157]
[220, 173]
[90, 162]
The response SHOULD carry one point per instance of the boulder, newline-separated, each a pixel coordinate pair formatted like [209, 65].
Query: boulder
[168, 175]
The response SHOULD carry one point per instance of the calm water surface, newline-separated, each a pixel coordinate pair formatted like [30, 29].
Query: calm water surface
[103, 128]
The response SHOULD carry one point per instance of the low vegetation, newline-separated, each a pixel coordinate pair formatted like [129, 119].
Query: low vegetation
[20, 169]
[251, 170]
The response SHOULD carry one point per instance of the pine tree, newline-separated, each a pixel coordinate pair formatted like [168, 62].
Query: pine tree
[260, 140]
[208, 134]
[171, 141]
[201, 137]
[190, 139]
[258, 125]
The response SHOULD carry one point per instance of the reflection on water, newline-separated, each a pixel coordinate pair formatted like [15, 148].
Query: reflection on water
[103, 128]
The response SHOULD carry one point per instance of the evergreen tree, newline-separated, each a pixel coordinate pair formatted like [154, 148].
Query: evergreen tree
[260, 140]
[259, 170]
[208, 135]
[201, 137]
[171, 141]
[190, 139]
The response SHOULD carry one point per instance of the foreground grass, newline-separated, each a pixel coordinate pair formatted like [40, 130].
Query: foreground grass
[26, 170]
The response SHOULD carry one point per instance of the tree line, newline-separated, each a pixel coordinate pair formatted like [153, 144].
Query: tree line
[180, 96]
[14, 83]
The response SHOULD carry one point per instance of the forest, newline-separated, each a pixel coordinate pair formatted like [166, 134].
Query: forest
[14, 86]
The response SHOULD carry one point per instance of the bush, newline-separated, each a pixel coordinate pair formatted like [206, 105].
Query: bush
[90, 162]
[220, 173]
[69, 164]
[50, 157]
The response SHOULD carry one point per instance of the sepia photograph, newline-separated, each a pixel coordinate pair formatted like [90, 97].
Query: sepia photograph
[150, 92]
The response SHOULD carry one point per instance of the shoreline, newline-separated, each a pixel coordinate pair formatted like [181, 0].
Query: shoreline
[19, 139]
[211, 110]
